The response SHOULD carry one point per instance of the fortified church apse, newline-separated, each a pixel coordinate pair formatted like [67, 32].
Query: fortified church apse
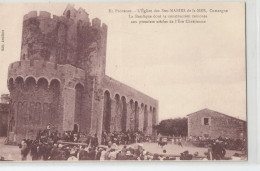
[60, 79]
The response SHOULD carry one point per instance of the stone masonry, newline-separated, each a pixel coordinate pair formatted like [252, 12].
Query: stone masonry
[209, 123]
[4, 109]
[60, 79]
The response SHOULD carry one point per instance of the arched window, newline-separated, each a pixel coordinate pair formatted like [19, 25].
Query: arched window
[124, 114]
[11, 84]
[154, 120]
[42, 83]
[30, 83]
[78, 103]
[145, 119]
[106, 112]
[136, 116]
[19, 82]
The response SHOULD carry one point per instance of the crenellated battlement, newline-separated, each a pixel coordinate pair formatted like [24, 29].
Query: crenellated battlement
[33, 14]
[48, 70]
[45, 15]
[96, 22]
[66, 39]
[104, 26]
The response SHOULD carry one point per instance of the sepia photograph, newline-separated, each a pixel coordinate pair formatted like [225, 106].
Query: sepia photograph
[123, 81]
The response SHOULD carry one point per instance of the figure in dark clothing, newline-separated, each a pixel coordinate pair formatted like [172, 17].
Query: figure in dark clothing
[54, 152]
[98, 154]
[186, 156]
[92, 153]
[95, 141]
[218, 151]
[82, 153]
[34, 153]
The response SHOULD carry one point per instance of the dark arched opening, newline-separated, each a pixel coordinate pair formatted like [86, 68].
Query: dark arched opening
[30, 83]
[150, 120]
[106, 112]
[11, 84]
[11, 124]
[54, 90]
[42, 83]
[76, 128]
[136, 116]
[19, 83]
[154, 120]
[55, 86]
[117, 123]
[142, 115]
[145, 119]
[13, 116]
[124, 114]
[79, 91]
[131, 115]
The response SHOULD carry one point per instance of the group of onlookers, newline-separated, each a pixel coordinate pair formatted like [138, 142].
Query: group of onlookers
[228, 143]
[48, 150]
[124, 138]
[36, 150]
[74, 146]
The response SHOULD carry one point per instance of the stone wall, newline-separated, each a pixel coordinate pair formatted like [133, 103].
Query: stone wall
[42, 93]
[140, 110]
[4, 110]
[216, 125]
[68, 39]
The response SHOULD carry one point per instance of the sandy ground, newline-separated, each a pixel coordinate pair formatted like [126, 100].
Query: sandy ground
[10, 152]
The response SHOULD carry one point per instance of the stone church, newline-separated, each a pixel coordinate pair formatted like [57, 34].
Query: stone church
[60, 79]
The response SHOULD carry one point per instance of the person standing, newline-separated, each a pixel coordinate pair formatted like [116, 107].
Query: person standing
[218, 151]
[24, 150]
[48, 129]
[95, 141]
[81, 153]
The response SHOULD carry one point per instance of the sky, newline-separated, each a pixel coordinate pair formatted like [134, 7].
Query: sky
[187, 67]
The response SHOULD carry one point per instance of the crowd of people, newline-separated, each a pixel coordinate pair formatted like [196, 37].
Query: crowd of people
[67, 146]
[51, 148]
[124, 138]
[75, 146]
[119, 138]
[76, 152]
[73, 152]
[228, 143]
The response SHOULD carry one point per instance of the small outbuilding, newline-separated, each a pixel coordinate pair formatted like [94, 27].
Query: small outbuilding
[212, 124]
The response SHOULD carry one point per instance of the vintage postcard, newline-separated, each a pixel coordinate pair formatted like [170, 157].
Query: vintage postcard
[160, 81]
